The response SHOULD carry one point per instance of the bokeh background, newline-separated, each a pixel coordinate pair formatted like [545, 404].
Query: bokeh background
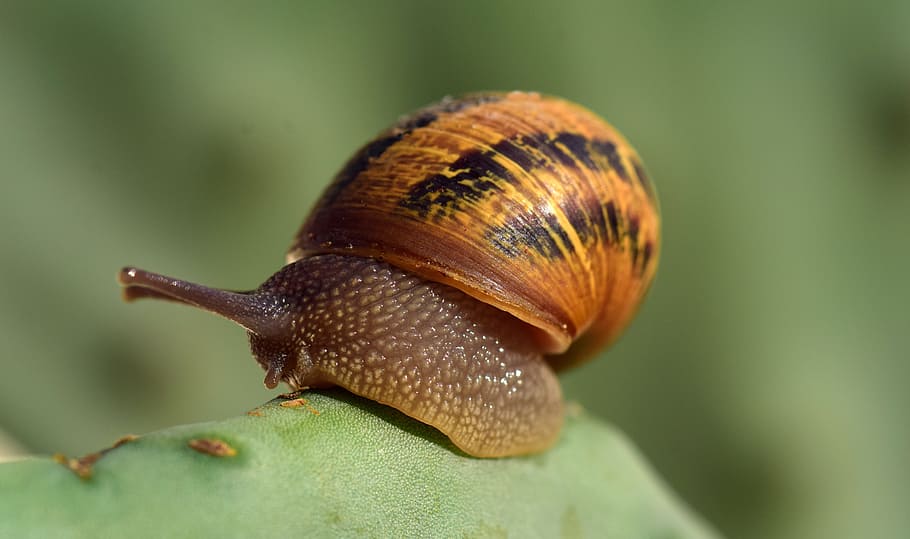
[766, 377]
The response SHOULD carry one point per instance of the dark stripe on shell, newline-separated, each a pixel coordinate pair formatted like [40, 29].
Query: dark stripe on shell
[599, 220]
[434, 196]
[528, 232]
[588, 219]
[358, 163]
[441, 196]
[589, 152]
[634, 225]
[578, 147]
[613, 219]
[580, 220]
[555, 228]
[374, 149]
[646, 253]
[607, 149]
[515, 150]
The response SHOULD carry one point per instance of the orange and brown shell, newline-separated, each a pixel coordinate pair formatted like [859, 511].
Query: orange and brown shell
[530, 203]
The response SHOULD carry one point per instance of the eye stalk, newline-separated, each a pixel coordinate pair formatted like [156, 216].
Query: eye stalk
[264, 314]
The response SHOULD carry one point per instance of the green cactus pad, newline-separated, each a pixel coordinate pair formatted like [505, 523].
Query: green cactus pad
[329, 464]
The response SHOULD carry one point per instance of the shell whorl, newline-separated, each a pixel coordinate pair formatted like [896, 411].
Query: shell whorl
[529, 203]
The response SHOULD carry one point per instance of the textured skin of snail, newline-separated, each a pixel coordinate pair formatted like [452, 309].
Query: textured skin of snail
[454, 264]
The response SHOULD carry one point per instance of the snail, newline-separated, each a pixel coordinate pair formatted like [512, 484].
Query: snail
[454, 265]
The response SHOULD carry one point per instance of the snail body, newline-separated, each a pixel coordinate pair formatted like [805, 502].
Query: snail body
[454, 264]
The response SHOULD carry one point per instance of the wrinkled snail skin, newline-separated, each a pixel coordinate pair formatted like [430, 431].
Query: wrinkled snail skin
[453, 265]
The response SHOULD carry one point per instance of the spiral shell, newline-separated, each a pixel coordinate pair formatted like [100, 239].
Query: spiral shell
[529, 203]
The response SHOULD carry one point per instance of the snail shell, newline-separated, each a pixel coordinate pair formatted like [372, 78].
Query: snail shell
[453, 265]
[528, 203]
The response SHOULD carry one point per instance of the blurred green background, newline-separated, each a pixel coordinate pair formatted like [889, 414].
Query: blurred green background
[766, 376]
